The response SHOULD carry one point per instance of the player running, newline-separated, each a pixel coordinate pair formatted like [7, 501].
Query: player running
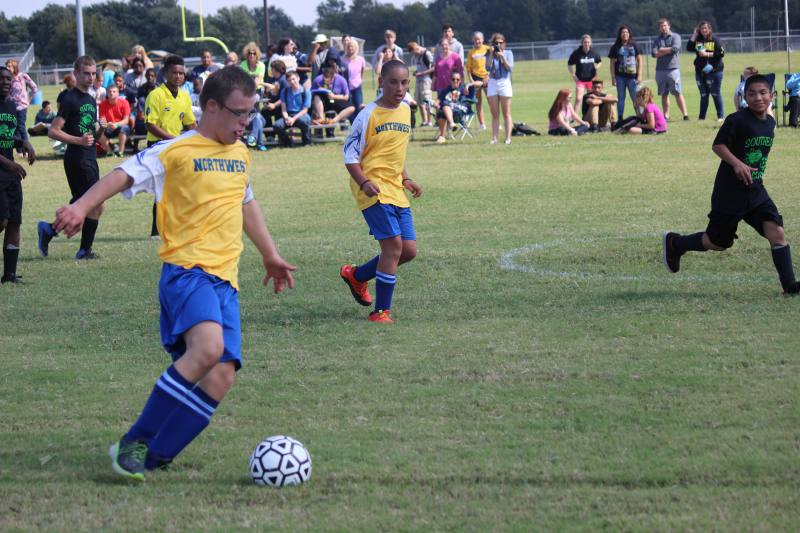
[375, 157]
[743, 143]
[201, 183]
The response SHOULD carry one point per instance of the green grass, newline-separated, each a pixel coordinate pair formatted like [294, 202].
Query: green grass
[584, 388]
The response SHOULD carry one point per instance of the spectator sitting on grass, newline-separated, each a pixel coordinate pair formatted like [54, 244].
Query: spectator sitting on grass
[648, 120]
[598, 108]
[115, 118]
[562, 116]
[295, 104]
[330, 93]
[43, 120]
[454, 104]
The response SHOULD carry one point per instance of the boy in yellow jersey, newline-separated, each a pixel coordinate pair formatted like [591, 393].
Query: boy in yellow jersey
[201, 184]
[375, 157]
[168, 110]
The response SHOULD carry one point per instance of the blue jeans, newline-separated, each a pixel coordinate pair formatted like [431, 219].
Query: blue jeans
[710, 83]
[623, 84]
[303, 123]
[257, 129]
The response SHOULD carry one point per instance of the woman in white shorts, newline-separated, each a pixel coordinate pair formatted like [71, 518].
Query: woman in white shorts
[500, 63]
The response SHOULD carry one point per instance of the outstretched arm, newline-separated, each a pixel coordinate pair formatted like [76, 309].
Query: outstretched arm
[256, 229]
[69, 218]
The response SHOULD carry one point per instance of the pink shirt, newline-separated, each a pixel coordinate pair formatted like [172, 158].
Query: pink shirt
[567, 114]
[442, 69]
[661, 122]
[354, 68]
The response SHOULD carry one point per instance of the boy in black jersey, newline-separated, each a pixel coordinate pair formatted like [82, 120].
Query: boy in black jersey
[11, 175]
[743, 143]
[76, 126]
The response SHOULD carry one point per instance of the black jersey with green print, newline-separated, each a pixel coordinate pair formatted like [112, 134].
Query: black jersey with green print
[79, 111]
[749, 139]
[10, 135]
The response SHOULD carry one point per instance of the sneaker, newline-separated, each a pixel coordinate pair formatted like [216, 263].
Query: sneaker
[720, 119]
[482, 127]
[46, 234]
[83, 255]
[250, 141]
[508, 141]
[793, 289]
[440, 140]
[671, 258]
[359, 289]
[381, 317]
[11, 278]
[128, 457]
[262, 148]
[685, 117]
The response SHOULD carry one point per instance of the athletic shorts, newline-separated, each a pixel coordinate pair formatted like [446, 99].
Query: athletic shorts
[668, 82]
[11, 201]
[191, 296]
[386, 221]
[82, 172]
[422, 90]
[335, 105]
[500, 88]
[114, 132]
[721, 228]
[585, 84]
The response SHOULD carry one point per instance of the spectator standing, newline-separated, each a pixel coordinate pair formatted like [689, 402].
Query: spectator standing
[69, 84]
[141, 98]
[455, 45]
[708, 67]
[21, 83]
[793, 107]
[321, 52]
[98, 91]
[598, 108]
[205, 68]
[424, 68]
[133, 80]
[626, 67]
[389, 39]
[445, 64]
[115, 118]
[356, 65]
[252, 63]
[388, 54]
[139, 51]
[285, 54]
[295, 106]
[168, 110]
[665, 48]
[500, 63]
[562, 116]
[582, 66]
[477, 75]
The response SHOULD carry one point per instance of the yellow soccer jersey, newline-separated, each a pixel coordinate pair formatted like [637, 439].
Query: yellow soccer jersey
[168, 112]
[378, 141]
[200, 187]
[476, 62]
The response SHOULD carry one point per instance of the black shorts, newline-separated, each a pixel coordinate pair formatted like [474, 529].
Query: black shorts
[721, 228]
[82, 172]
[11, 201]
[335, 105]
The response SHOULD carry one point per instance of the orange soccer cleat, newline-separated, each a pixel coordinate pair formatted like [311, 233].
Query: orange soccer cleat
[381, 317]
[359, 289]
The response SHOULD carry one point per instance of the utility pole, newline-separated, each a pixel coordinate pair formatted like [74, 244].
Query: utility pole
[786, 23]
[267, 40]
[79, 27]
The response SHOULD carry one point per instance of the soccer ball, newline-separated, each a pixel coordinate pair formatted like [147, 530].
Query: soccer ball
[279, 461]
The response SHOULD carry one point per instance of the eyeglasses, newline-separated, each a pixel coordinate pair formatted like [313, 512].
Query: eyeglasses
[251, 53]
[249, 115]
[455, 79]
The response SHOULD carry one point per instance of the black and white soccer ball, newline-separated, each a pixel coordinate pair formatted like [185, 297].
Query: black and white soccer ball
[280, 461]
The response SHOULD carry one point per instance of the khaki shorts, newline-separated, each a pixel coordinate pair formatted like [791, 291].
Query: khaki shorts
[422, 91]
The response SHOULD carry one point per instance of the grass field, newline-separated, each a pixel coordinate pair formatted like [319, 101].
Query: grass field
[545, 372]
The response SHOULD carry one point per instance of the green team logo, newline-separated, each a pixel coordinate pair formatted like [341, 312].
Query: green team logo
[8, 125]
[754, 157]
[88, 117]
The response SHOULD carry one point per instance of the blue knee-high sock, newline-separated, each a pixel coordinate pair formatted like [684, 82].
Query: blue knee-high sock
[782, 257]
[182, 427]
[168, 393]
[384, 288]
[367, 271]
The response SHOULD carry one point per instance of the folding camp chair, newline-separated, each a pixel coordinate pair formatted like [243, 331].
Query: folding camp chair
[463, 125]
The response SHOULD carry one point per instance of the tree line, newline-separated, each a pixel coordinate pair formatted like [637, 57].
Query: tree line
[112, 27]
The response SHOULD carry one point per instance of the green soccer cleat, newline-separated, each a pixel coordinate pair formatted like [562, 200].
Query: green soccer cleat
[128, 458]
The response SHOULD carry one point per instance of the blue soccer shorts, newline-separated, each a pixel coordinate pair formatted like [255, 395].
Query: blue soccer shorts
[386, 221]
[190, 296]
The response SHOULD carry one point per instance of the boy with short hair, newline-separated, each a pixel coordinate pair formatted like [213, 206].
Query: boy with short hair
[375, 157]
[76, 126]
[743, 143]
[201, 177]
[598, 108]
[11, 176]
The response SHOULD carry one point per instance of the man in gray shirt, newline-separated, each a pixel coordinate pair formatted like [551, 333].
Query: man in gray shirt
[455, 45]
[665, 49]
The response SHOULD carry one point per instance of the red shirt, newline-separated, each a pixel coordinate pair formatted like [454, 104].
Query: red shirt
[119, 111]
